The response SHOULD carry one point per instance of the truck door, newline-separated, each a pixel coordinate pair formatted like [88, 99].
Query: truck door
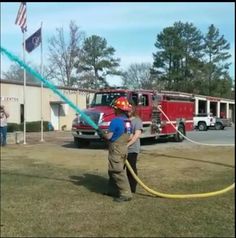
[144, 107]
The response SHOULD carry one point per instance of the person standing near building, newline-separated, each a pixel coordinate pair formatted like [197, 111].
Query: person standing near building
[3, 125]
[118, 185]
[134, 146]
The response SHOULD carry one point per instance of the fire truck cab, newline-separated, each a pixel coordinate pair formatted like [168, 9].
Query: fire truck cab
[149, 105]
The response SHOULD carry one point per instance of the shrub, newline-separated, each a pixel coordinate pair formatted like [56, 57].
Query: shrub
[35, 126]
[11, 127]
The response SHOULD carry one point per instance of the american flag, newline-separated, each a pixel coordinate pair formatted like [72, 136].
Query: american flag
[21, 17]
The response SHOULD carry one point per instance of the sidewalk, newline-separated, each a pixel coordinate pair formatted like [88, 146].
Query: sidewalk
[35, 137]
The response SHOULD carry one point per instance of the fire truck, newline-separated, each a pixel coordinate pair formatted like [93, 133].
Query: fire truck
[163, 114]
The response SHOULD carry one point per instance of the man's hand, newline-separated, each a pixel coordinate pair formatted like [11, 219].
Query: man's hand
[101, 133]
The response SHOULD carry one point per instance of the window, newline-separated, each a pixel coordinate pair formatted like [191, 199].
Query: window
[21, 113]
[144, 100]
[106, 98]
[134, 99]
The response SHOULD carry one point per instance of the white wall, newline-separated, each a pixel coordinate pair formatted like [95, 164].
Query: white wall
[12, 97]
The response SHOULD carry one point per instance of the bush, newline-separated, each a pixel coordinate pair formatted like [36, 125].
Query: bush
[11, 127]
[34, 126]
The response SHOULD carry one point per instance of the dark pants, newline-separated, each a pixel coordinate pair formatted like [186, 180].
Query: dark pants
[3, 135]
[132, 159]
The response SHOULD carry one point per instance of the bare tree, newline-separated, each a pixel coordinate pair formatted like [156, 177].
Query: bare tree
[16, 73]
[138, 76]
[63, 55]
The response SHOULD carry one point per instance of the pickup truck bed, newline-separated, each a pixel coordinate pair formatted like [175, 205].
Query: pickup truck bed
[221, 123]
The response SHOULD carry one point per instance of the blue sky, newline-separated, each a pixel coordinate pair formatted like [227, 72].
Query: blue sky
[131, 28]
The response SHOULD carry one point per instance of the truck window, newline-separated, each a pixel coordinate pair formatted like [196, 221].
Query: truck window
[106, 98]
[134, 98]
[144, 100]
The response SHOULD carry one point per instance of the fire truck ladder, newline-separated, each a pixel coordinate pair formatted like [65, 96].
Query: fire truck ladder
[155, 119]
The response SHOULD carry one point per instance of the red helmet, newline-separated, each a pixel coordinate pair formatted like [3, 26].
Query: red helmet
[123, 104]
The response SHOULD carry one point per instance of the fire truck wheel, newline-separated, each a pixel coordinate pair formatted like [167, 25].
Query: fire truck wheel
[178, 136]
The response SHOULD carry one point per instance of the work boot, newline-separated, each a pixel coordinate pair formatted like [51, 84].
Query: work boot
[110, 194]
[122, 199]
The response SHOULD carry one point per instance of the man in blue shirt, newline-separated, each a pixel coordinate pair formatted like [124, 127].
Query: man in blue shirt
[118, 185]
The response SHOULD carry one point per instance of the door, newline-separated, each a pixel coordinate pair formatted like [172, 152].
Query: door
[55, 112]
[144, 109]
[22, 108]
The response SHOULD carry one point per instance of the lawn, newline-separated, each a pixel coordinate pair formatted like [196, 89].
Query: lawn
[54, 191]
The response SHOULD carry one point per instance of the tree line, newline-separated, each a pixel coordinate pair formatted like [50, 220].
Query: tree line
[185, 60]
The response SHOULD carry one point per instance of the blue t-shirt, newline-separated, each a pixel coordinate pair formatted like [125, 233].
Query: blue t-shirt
[117, 126]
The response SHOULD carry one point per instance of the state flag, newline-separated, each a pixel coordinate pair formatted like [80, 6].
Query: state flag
[33, 41]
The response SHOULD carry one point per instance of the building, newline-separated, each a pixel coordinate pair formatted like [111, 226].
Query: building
[54, 109]
[58, 112]
[219, 107]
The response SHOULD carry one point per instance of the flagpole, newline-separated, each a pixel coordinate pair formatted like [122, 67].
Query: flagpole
[24, 91]
[21, 21]
[41, 71]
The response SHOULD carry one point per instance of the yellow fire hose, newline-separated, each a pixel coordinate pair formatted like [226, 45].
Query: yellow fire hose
[177, 196]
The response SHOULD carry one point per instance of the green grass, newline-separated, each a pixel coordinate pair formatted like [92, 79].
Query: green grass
[46, 200]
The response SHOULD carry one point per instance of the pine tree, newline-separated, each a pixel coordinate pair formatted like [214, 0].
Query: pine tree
[179, 52]
[97, 57]
[216, 51]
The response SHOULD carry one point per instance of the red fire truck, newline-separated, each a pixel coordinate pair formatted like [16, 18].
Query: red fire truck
[153, 108]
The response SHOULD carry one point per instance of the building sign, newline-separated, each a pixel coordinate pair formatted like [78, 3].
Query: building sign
[75, 92]
[69, 92]
[213, 99]
[9, 99]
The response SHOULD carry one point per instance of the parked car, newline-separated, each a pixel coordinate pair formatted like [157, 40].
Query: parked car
[203, 121]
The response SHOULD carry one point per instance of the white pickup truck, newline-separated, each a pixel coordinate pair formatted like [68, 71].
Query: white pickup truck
[203, 121]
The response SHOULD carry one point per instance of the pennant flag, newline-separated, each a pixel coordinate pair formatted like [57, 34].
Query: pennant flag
[21, 17]
[33, 41]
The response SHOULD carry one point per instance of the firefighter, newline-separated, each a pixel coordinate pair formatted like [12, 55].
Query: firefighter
[118, 185]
